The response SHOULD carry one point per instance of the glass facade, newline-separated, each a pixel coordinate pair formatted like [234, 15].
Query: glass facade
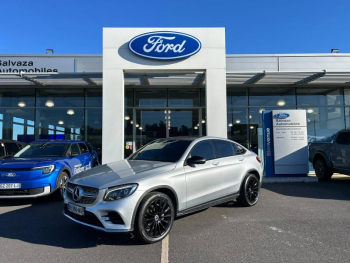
[162, 112]
[28, 114]
[327, 111]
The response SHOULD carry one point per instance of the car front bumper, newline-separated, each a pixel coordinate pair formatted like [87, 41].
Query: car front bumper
[98, 214]
[24, 193]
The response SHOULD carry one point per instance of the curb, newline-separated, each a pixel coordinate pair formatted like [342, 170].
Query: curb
[290, 180]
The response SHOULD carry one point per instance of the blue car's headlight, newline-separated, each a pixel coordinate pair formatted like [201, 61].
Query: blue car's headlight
[45, 169]
[119, 192]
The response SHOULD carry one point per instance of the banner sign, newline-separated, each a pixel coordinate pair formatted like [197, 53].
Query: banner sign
[36, 65]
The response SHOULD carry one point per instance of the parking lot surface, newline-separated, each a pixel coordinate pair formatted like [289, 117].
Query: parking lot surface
[293, 222]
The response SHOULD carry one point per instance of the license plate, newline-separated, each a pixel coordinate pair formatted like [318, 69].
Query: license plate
[76, 209]
[10, 186]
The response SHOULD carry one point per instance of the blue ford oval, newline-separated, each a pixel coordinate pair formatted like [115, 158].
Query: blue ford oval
[282, 115]
[165, 45]
[43, 167]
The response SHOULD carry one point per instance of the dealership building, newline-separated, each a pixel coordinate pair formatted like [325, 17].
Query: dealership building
[154, 83]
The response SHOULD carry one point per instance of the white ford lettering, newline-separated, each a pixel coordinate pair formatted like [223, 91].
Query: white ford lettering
[156, 44]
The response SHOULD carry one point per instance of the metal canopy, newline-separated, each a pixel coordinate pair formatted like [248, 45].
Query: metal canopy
[177, 78]
[48, 79]
[288, 77]
[171, 78]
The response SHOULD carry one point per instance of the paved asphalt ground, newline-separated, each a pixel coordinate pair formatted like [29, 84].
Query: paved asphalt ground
[300, 222]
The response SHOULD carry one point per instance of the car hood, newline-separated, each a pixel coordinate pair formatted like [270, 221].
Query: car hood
[120, 172]
[25, 162]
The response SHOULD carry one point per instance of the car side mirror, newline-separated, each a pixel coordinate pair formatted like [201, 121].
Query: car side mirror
[196, 160]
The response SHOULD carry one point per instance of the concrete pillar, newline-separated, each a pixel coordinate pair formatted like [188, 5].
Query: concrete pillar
[215, 89]
[113, 115]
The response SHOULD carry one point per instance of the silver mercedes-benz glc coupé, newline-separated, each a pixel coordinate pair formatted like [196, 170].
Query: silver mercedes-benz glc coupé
[165, 179]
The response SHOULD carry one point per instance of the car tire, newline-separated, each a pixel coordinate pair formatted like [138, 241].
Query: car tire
[323, 172]
[250, 191]
[155, 218]
[57, 195]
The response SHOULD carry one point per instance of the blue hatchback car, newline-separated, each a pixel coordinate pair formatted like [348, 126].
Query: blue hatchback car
[43, 167]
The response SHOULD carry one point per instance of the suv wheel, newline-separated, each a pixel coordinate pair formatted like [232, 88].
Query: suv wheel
[155, 217]
[61, 186]
[322, 171]
[249, 193]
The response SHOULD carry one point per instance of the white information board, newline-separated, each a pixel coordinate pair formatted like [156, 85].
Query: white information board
[290, 141]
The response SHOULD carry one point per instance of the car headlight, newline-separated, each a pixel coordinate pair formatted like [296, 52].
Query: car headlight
[46, 169]
[119, 192]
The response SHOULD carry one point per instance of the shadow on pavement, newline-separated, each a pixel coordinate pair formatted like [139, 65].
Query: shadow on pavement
[336, 189]
[42, 222]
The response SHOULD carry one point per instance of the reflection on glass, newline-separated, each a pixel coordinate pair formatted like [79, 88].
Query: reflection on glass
[129, 97]
[324, 122]
[237, 97]
[17, 124]
[283, 97]
[94, 127]
[184, 97]
[17, 97]
[94, 97]
[183, 123]
[319, 96]
[150, 125]
[60, 97]
[150, 97]
[48, 127]
[128, 133]
[237, 131]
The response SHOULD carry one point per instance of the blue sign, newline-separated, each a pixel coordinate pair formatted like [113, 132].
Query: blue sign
[165, 45]
[282, 115]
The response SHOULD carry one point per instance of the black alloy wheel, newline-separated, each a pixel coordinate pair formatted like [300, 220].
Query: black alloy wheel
[249, 193]
[155, 218]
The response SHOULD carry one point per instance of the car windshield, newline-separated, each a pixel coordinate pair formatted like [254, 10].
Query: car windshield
[42, 150]
[162, 151]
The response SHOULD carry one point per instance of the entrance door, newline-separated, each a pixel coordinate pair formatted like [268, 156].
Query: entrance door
[184, 122]
[152, 124]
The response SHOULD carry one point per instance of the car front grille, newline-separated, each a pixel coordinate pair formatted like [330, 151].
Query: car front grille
[16, 192]
[89, 194]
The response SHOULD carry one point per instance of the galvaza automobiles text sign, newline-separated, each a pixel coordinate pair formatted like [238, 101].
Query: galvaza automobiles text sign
[165, 45]
[36, 65]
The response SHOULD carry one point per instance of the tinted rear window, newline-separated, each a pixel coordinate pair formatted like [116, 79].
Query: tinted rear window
[223, 148]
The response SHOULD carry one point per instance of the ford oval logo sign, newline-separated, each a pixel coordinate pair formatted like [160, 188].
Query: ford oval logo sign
[165, 45]
[282, 115]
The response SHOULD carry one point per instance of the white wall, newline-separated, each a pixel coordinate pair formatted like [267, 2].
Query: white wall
[117, 58]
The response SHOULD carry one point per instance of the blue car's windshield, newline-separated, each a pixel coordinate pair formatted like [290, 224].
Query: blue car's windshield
[162, 151]
[42, 150]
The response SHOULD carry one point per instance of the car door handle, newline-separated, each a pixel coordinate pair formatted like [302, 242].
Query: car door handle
[241, 159]
[215, 163]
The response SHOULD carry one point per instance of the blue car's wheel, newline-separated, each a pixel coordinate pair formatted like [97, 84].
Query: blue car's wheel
[61, 186]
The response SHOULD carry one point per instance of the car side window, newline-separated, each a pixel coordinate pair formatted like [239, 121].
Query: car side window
[11, 148]
[223, 148]
[74, 149]
[203, 149]
[83, 148]
[343, 138]
[240, 150]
